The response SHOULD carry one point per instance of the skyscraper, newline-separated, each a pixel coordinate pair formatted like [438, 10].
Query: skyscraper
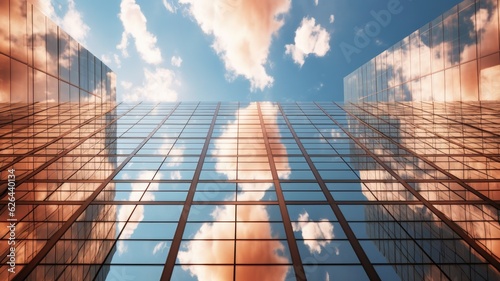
[194, 191]
[236, 191]
[57, 116]
[40, 62]
[455, 57]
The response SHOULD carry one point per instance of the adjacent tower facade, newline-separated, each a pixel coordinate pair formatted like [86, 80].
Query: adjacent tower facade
[455, 57]
[57, 126]
[40, 62]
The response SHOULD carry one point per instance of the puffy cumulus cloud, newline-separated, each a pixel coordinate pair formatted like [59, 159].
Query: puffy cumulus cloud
[126, 84]
[47, 8]
[253, 150]
[243, 31]
[176, 61]
[158, 85]
[73, 23]
[134, 24]
[314, 233]
[203, 250]
[310, 38]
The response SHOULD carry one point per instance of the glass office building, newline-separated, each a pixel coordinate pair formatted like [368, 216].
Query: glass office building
[57, 103]
[455, 57]
[258, 191]
[39, 62]
[240, 191]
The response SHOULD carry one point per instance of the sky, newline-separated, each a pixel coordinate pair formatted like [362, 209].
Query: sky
[234, 50]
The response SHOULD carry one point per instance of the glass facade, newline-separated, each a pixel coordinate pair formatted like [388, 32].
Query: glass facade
[455, 57]
[39, 62]
[59, 154]
[253, 191]
[407, 189]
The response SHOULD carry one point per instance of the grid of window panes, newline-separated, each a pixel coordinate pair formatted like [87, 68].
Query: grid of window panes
[39, 62]
[255, 191]
[61, 153]
[454, 57]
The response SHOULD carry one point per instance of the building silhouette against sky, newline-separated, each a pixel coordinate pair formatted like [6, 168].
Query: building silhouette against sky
[405, 188]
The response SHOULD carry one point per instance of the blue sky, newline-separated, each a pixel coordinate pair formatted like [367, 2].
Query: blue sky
[228, 50]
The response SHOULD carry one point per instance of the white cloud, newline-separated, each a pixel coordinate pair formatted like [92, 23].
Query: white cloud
[309, 39]
[158, 85]
[316, 2]
[315, 232]
[106, 59]
[242, 32]
[260, 170]
[123, 45]
[332, 18]
[175, 175]
[443, 89]
[126, 84]
[111, 58]
[159, 247]
[336, 134]
[48, 9]
[258, 244]
[176, 61]
[118, 62]
[72, 21]
[138, 214]
[169, 6]
[123, 215]
[134, 24]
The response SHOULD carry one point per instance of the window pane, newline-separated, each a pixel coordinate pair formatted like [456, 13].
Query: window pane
[52, 89]
[19, 83]
[63, 91]
[52, 55]
[4, 27]
[18, 39]
[4, 78]
[468, 73]
[40, 84]
[64, 52]
[39, 35]
[74, 72]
